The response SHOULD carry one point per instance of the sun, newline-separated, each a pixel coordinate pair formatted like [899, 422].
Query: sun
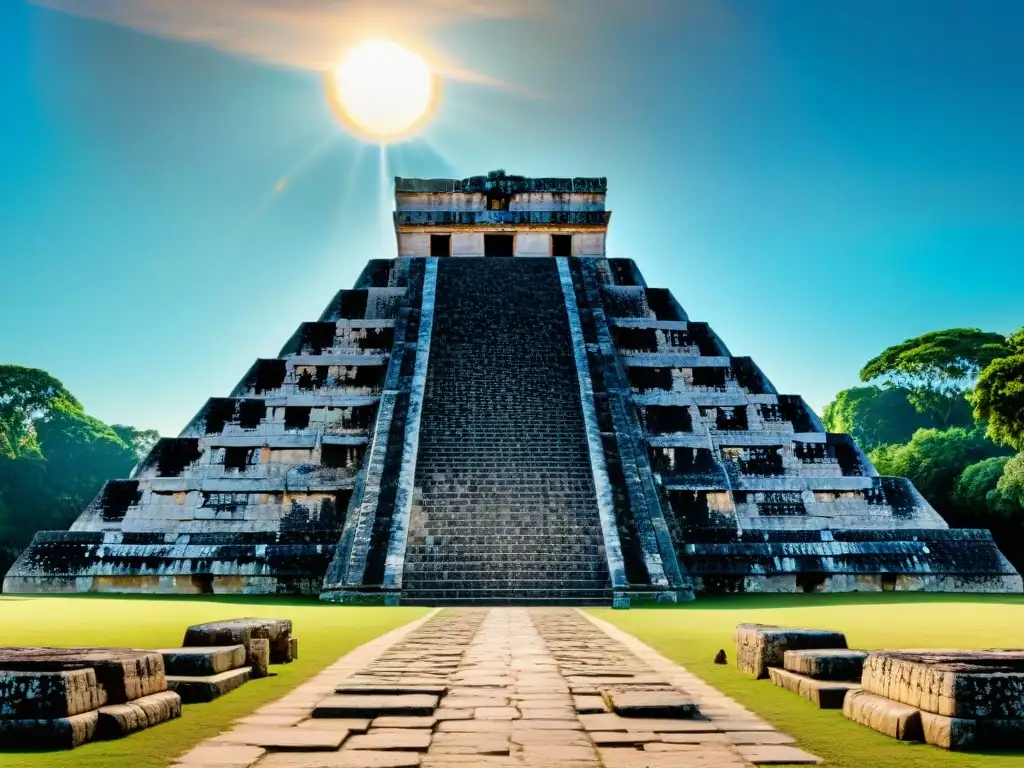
[383, 91]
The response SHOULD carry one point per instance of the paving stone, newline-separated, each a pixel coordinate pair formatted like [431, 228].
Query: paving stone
[452, 714]
[397, 721]
[495, 713]
[753, 737]
[470, 744]
[613, 722]
[900, 721]
[386, 739]
[777, 755]
[220, 756]
[650, 704]
[621, 738]
[202, 662]
[351, 724]
[202, 689]
[277, 721]
[375, 705]
[281, 739]
[390, 689]
[827, 664]
[760, 646]
[55, 733]
[825, 694]
[116, 720]
[49, 695]
[589, 704]
[341, 759]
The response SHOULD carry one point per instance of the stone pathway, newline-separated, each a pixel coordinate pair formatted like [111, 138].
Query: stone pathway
[501, 688]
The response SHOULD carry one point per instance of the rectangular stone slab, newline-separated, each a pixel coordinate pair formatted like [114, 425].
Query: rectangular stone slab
[899, 721]
[48, 695]
[201, 661]
[825, 694]
[293, 648]
[209, 687]
[961, 684]
[965, 733]
[123, 673]
[390, 689]
[241, 631]
[827, 663]
[121, 719]
[58, 733]
[650, 704]
[759, 646]
[375, 705]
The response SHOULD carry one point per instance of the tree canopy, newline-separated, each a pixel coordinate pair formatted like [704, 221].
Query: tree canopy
[937, 367]
[54, 457]
[874, 416]
[999, 399]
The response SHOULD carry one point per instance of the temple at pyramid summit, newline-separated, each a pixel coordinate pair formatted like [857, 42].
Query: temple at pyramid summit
[504, 414]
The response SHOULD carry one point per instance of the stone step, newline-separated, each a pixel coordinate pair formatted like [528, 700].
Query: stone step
[202, 661]
[194, 689]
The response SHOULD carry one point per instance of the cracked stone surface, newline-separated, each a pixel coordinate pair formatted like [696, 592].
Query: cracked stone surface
[502, 687]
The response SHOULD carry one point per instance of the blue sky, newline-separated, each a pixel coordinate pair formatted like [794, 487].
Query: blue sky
[816, 180]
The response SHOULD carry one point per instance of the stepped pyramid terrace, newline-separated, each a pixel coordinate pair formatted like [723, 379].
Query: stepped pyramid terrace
[504, 414]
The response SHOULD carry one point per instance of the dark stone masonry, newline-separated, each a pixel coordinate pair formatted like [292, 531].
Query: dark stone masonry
[503, 414]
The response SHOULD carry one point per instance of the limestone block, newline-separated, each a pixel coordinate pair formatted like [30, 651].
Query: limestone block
[241, 631]
[49, 695]
[210, 660]
[209, 687]
[58, 733]
[959, 684]
[650, 704]
[257, 657]
[826, 664]
[121, 719]
[123, 673]
[825, 694]
[759, 646]
[293, 649]
[899, 721]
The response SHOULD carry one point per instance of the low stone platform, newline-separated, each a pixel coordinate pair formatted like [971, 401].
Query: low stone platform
[951, 699]
[760, 646]
[825, 694]
[211, 660]
[199, 689]
[241, 631]
[61, 698]
[503, 687]
[827, 664]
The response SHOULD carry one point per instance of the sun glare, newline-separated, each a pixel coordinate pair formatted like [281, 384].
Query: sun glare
[382, 91]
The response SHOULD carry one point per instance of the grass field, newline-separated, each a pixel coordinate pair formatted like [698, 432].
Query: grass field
[693, 634]
[325, 633]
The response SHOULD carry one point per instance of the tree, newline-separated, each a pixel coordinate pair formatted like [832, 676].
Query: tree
[140, 440]
[27, 394]
[976, 495]
[999, 399]
[1015, 341]
[934, 459]
[874, 415]
[1011, 483]
[938, 367]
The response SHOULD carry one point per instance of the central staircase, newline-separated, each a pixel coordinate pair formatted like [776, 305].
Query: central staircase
[505, 509]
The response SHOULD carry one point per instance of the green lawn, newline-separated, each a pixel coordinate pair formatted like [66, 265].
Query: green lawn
[693, 634]
[325, 633]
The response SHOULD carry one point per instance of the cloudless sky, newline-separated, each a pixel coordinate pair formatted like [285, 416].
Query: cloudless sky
[817, 180]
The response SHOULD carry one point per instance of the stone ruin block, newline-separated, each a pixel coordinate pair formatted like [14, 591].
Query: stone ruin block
[961, 684]
[826, 664]
[241, 632]
[119, 720]
[199, 661]
[760, 646]
[257, 656]
[58, 733]
[825, 694]
[32, 695]
[900, 721]
[194, 690]
[293, 648]
[124, 674]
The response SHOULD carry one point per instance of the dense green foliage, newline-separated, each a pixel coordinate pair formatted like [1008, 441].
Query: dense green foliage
[937, 368]
[875, 415]
[54, 457]
[999, 400]
[919, 424]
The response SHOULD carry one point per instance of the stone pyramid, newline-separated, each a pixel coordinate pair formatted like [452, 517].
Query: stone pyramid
[531, 425]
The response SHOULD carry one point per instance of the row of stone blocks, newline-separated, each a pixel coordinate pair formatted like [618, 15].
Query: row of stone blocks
[61, 698]
[953, 699]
